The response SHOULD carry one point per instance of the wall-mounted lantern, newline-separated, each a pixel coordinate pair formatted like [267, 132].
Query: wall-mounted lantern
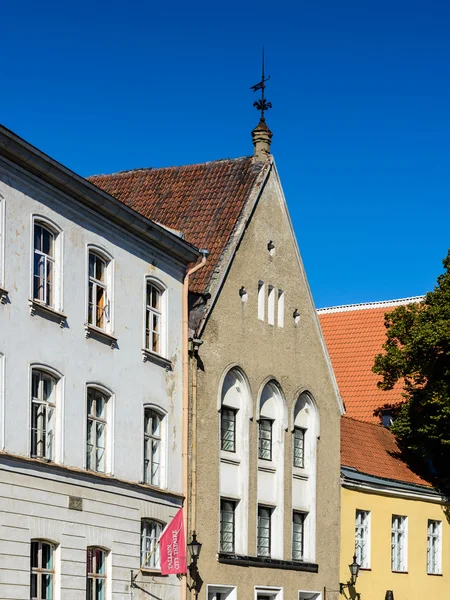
[354, 572]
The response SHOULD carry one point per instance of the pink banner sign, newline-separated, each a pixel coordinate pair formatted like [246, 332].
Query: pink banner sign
[173, 547]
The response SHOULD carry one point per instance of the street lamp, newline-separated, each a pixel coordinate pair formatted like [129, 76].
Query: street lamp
[354, 572]
[194, 550]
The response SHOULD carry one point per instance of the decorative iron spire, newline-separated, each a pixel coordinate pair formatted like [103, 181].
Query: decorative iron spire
[262, 104]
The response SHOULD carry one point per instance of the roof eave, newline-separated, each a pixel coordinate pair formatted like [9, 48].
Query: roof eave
[29, 158]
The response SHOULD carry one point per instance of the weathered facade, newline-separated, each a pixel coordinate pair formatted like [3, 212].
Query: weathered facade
[90, 393]
[264, 406]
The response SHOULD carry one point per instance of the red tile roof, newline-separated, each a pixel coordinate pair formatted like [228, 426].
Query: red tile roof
[372, 449]
[354, 335]
[202, 201]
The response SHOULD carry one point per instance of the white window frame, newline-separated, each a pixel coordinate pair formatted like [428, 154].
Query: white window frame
[271, 305]
[156, 529]
[436, 568]
[221, 592]
[39, 571]
[270, 536]
[261, 300]
[274, 593]
[108, 421]
[162, 445]
[234, 504]
[2, 240]
[304, 516]
[57, 260]
[280, 308]
[162, 314]
[362, 537]
[97, 577]
[306, 595]
[108, 286]
[399, 536]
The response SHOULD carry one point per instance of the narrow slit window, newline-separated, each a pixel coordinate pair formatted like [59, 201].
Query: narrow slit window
[271, 305]
[399, 543]
[153, 318]
[362, 542]
[299, 447]
[280, 311]
[434, 547]
[261, 300]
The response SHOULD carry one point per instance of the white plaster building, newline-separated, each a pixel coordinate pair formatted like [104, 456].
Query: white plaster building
[91, 386]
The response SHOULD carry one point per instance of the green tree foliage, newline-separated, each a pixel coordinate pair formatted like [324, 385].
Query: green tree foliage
[417, 353]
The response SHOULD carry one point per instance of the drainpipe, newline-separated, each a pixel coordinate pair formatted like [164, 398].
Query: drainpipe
[204, 254]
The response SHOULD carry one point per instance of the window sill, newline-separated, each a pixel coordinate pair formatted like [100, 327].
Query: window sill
[3, 295]
[100, 335]
[268, 563]
[435, 574]
[298, 473]
[400, 572]
[149, 356]
[37, 308]
[267, 466]
[230, 458]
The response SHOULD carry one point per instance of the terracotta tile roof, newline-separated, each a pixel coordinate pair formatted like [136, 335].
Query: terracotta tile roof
[354, 335]
[202, 201]
[372, 449]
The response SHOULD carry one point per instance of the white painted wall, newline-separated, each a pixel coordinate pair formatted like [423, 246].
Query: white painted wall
[27, 495]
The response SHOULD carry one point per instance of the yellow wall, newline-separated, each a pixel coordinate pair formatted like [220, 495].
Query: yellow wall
[416, 584]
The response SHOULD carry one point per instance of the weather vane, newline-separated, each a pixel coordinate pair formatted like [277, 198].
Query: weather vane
[262, 103]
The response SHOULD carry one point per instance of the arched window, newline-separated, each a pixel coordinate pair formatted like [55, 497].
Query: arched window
[42, 570]
[154, 447]
[96, 573]
[271, 409]
[97, 429]
[150, 533]
[99, 302]
[46, 287]
[43, 414]
[155, 317]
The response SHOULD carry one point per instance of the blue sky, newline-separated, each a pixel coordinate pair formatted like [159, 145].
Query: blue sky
[361, 118]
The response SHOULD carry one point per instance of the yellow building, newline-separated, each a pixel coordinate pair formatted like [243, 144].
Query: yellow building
[394, 521]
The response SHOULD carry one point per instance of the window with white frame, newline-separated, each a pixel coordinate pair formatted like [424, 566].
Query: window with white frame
[153, 446]
[96, 430]
[154, 317]
[434, 544]
[264, 531]
[44, 268]
[298, 535]
[99, 301]
[96, 579]
[42, 570]
[265, 439]
[228, 429]
[362, 538]
[221, 592]
[43, 414]
[227, 525]
[150, 533]
[399, 543]
[299, 447]
[261, 300]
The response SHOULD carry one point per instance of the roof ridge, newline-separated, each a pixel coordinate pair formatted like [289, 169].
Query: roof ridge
[169, 167]
[367, 305]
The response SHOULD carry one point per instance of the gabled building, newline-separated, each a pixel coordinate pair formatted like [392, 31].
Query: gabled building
[394, 520]
[264, 406]
[91, 385]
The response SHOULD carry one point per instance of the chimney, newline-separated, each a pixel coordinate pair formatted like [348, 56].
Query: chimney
[261, 137]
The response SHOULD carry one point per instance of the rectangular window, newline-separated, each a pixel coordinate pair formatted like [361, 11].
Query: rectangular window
[434, 547]
[98, 301]
[298, 531]
[228, 429]
[299, 447]
[280, 312]
[227, 511]
[265, 439]
[150, 533]
[399, 543]
[42, 571]
[153, 318]
[261, 300]
[44, 265]
[152, 447]
[264, 531]
[43, 406]
[362, 539]
[96, 574]
[271, 305]
[96, 430]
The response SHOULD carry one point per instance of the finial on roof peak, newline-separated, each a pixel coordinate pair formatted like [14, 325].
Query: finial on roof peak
[261, 135]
